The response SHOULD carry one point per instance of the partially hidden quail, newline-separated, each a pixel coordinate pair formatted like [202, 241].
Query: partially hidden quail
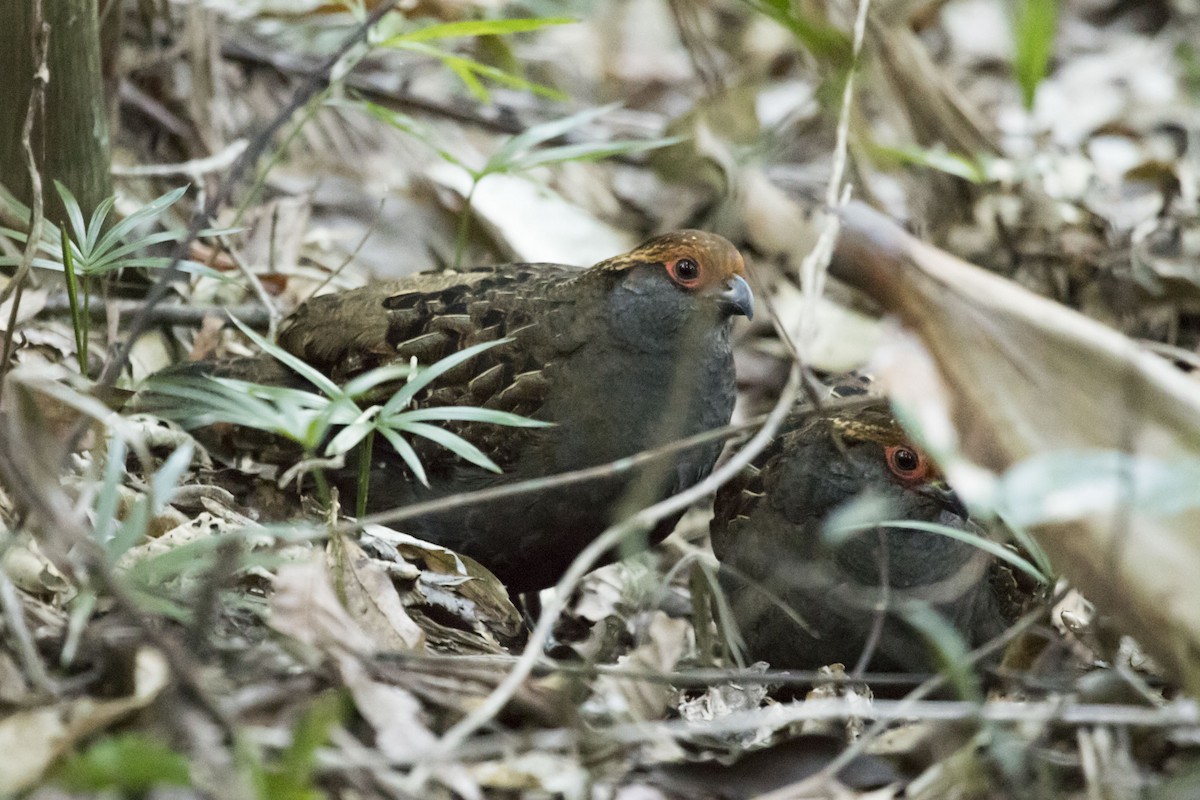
[622, 357]
[802, 599]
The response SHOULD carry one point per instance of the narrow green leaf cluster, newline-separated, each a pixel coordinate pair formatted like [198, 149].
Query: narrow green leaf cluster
[308, 418]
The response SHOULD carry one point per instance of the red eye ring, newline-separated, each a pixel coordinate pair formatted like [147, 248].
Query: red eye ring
[907, 463]
[685, 271]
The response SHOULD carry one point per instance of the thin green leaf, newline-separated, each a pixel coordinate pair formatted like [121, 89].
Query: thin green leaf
[143, 215]
[938, 159]
[407, 453]
[452, 442]
[951, 650]
[407, 124]
[303, 369]
[975, 540]
[96, 225]
[74, 212]
[125, 764]
[471, 414]
[109, 494]
[361, 384]
[166, 478]
[423, 378]
[488, 27]
[822, 40]
[588, 151]
[352, 434]
[509, 79]
[132, 529]
[463, 69]
[544, 132]
[1034, 28]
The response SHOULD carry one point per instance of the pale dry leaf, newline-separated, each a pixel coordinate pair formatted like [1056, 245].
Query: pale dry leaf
[305, 607]
[28, 569]
[371, 597]
[534, 223]
[667, 640]
[537, 772]
[33, 739]
[393, 712]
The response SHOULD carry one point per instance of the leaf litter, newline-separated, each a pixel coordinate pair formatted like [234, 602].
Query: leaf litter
[301, 659]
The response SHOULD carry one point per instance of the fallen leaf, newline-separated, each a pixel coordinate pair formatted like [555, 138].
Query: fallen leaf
[33, 739]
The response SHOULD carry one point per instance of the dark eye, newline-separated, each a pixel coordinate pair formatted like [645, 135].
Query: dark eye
[685, 271]
[906, 463]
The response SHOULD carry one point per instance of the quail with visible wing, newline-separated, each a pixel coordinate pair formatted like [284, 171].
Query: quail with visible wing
[622, 357]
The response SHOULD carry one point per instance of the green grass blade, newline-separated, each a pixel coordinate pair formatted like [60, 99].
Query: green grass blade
[406, 452]
[544, 132]
[143, 215]
[1035, 24]
[470, 414]
[361, 384]
[303, 369]
[402, 398]
[483, 27]
[74, 212]
[452, 442]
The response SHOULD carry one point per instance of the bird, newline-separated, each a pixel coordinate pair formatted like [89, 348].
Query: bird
[625, 356]
[801, 600]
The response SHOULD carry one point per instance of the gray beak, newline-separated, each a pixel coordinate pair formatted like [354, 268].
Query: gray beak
[736, 298]
[946, 497]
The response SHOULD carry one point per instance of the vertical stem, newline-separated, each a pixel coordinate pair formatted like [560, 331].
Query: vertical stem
[364, 473]
[464, 223]
[86, 320]
[73, 298]
[323, 493]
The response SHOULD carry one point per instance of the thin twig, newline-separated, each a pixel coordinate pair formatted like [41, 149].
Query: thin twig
[618, 467]
[37, 98]
[18, 634]
[251, 314]
[255, 284]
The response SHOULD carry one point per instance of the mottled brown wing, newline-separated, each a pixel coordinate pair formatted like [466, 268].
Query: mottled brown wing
[543, 308]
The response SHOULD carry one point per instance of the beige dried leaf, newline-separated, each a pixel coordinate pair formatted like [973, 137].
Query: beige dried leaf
[305, 607]
[32, 739]
[371, 598]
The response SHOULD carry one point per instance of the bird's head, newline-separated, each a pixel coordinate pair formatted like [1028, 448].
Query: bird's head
[885, 456]
[684, 270]
[832, 461]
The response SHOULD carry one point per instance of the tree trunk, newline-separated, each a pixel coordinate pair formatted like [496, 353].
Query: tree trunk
[70, 140]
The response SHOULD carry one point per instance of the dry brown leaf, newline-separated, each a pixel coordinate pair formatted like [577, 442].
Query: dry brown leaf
[1026, 377]
[33, 739]
[371, 597]
[305, 607]
[667, 641]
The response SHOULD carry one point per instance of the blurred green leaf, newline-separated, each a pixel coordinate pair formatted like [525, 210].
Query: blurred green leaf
[1069, 485]
[129, 762]
[824, 41]
[936, 158]
[1034, 28]
[291, 776]
[950, 649]
[967, 537]
[482, 27]
[98, 249]
[469, 71]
